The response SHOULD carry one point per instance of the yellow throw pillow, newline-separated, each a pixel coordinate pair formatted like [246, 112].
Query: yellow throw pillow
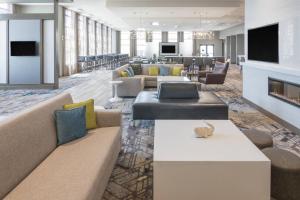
[124, 74]
[176, 71]
[90, 115]
[153, 71]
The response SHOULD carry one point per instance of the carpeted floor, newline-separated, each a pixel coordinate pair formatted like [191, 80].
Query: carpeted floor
[132, 176]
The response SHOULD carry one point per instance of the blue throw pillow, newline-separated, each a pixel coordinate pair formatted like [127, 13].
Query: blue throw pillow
[164, 71]
[70, 124]
[131, 71]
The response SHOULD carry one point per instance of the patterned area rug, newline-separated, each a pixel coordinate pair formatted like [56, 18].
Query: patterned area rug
[132, 177]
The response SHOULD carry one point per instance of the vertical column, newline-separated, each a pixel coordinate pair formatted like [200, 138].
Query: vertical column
[3, 52]
[164, 36]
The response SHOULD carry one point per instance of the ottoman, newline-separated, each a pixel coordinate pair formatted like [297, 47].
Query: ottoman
[285, 174]
[261, 139]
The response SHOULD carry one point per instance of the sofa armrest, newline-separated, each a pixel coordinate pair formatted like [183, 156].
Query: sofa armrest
[131, 86]
[108, 118]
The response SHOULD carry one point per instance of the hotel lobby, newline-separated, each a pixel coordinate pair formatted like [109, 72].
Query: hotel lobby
[149, 99]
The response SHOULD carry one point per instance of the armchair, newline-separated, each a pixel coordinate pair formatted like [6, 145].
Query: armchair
[217, 76]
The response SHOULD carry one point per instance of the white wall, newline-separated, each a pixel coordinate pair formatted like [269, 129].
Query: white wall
[3, 52]
[255, 74]
[217, 46]
[26, 9]
[239, 29]
[48, 51]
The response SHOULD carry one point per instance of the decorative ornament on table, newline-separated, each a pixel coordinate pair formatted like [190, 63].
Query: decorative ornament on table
[204, 132]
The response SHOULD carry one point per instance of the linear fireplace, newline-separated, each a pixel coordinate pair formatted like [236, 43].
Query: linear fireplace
[285, 91]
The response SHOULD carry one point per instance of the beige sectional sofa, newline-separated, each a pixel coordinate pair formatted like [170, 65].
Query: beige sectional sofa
[131, 86]
[33, 167]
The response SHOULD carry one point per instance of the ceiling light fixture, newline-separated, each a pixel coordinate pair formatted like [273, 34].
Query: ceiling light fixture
[155, 23]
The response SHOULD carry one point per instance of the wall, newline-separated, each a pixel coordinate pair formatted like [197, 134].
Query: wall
[3, 52]
[25, 9]
[255, 74]
[25, 69]
[217, 46]
[239, 29]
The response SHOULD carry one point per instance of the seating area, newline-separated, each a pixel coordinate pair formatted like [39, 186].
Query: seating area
[149, 100]
[109, 62]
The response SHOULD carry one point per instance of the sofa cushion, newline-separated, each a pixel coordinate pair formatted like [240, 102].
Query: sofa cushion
[130, 71]
[164, 71]
[178, 91]
[150, 78]
[90, 112]
[124, 73]
[70, 124]
[176, 71]
[26, 140]
[78, 170]
[153, 71]
[137, 69]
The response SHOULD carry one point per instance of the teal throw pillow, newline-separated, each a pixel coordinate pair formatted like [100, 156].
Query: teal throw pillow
[70, 124]
[131, 71]
[164, 71]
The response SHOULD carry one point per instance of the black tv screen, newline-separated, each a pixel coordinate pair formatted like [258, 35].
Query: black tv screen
[168, 49]
[263, 44]
[23, 48]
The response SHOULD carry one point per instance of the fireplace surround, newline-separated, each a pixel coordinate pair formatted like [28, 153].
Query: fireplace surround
[285, 91]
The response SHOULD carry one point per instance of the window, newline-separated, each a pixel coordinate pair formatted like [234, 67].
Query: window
[141, 43]
[125, 42]
[109, 40]
[70, 49]
[172, 36]
[5, 8]
[92, 40]
[104, 32]
[82, 36]
[98, 39]
[206, 50]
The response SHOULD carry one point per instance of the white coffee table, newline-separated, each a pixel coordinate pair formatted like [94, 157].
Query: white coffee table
[115, 96]
[172, 79]
[226, 166]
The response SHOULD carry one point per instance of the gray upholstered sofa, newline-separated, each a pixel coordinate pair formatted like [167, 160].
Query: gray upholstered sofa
[178, 101]
[33, 167]
[131, 86]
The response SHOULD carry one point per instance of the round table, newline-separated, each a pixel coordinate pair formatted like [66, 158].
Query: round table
[115, 85]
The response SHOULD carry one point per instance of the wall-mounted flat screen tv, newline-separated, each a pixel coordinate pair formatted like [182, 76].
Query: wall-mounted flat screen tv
[263, 44]
[23, 48]
[169, 48]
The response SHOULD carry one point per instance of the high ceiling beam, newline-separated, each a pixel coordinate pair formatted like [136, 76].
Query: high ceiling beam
[166, 3]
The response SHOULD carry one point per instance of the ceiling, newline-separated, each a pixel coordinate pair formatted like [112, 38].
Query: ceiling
[172, 15]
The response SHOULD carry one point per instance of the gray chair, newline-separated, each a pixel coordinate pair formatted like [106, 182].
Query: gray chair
[285, 174]
[261, 139]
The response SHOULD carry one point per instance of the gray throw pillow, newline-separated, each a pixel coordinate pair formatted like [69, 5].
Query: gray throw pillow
[137, 69]
[70, 124]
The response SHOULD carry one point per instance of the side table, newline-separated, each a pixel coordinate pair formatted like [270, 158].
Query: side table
[115, 95]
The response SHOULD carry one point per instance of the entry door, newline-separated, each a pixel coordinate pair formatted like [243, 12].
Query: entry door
[206, 50]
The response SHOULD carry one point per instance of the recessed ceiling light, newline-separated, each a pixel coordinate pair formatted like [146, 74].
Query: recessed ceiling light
[155, 23]
[140, 29]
